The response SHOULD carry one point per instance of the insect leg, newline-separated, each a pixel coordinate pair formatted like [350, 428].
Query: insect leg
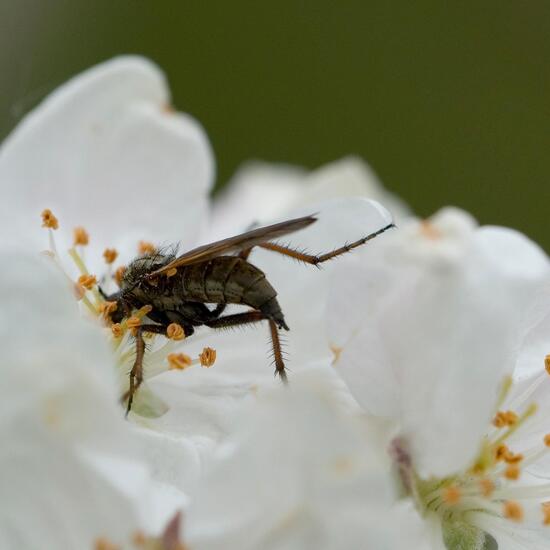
[254, 317]
[136, 374]
[319, 259]
[245, 253]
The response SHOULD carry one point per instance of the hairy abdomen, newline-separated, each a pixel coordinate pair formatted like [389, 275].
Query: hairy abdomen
[229, 280]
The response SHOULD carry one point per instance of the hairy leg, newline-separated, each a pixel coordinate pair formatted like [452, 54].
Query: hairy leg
[319, 259]
[255, 316]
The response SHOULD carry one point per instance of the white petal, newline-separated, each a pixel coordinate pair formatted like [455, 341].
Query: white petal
[302, 476]
[260, 192]
[68, 470]
[104, 151]
[435, 328]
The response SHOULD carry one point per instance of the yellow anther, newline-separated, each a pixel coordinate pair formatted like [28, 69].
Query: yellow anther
[511, 458]
[512, 472]
[145, 247]
[110, 255]
[105, 544]
[133, 322]
[547, 440]
[80, 236]
[79, 291]
[427, 229]
[451, 494]
[487, 487]
[207, 357]
[547, 363]
[117, 330]
[546, 513]
[144, 310]
[49, 220]
[179, 361]
[171, 272]
[512, 510]
[336, 352]
[175, 332]
[87, 281]
[119, 273]
[106, 308]
[139, 538]
[500, 452]
[505, 418]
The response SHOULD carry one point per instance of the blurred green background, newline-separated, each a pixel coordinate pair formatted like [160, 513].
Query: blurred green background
[448, 101]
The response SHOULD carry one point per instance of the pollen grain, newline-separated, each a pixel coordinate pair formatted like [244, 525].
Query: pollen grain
[179, 361]
[145, 247]
[49, 220]
[451, 494]
[80, 236]
[207, 357]
[512, 510]
[110, 255]
[174, 331]
[87, 281]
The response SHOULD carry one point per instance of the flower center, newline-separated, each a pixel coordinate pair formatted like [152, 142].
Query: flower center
[493, 486]
[160, 355]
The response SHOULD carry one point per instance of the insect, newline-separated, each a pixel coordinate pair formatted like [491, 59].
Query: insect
[178, 289]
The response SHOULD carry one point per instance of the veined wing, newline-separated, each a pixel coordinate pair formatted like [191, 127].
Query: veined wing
[237, 243]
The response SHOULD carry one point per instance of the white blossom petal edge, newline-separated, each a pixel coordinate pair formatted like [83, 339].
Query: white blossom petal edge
[68, 475]
[300, 473]
[106, 151]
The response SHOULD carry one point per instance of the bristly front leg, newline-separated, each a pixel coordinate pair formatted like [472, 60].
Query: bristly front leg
[136, 374]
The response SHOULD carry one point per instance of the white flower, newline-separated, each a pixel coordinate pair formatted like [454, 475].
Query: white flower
[427, 325]
[261, 192]
[107, 152]
[104, 152]
[70, 474]
[299, 472]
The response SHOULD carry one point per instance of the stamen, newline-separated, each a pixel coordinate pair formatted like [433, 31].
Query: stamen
[207, 357]
[81, 236]
[171, 272]
[546, 513]
[117, 330]
[179, 361]
[175, 332]
[512, 472]
[119, 274]
[547, 440]
[487, 487]
[106, 308]
[512, 510]
[145, 247]
[501, 451]
[429, 230]
[336, 351]
[87, 281]
[110, 255]
[79, 291]
[139, 538]
[49, 220]
[105, 544]
[511, 458]
[505, 418]
[547, 363]
[133, 322]
[451, 494]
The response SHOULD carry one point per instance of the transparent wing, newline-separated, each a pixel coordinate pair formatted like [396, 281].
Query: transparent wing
[237, 243]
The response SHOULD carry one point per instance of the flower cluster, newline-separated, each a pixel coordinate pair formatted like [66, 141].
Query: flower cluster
[418, 409]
